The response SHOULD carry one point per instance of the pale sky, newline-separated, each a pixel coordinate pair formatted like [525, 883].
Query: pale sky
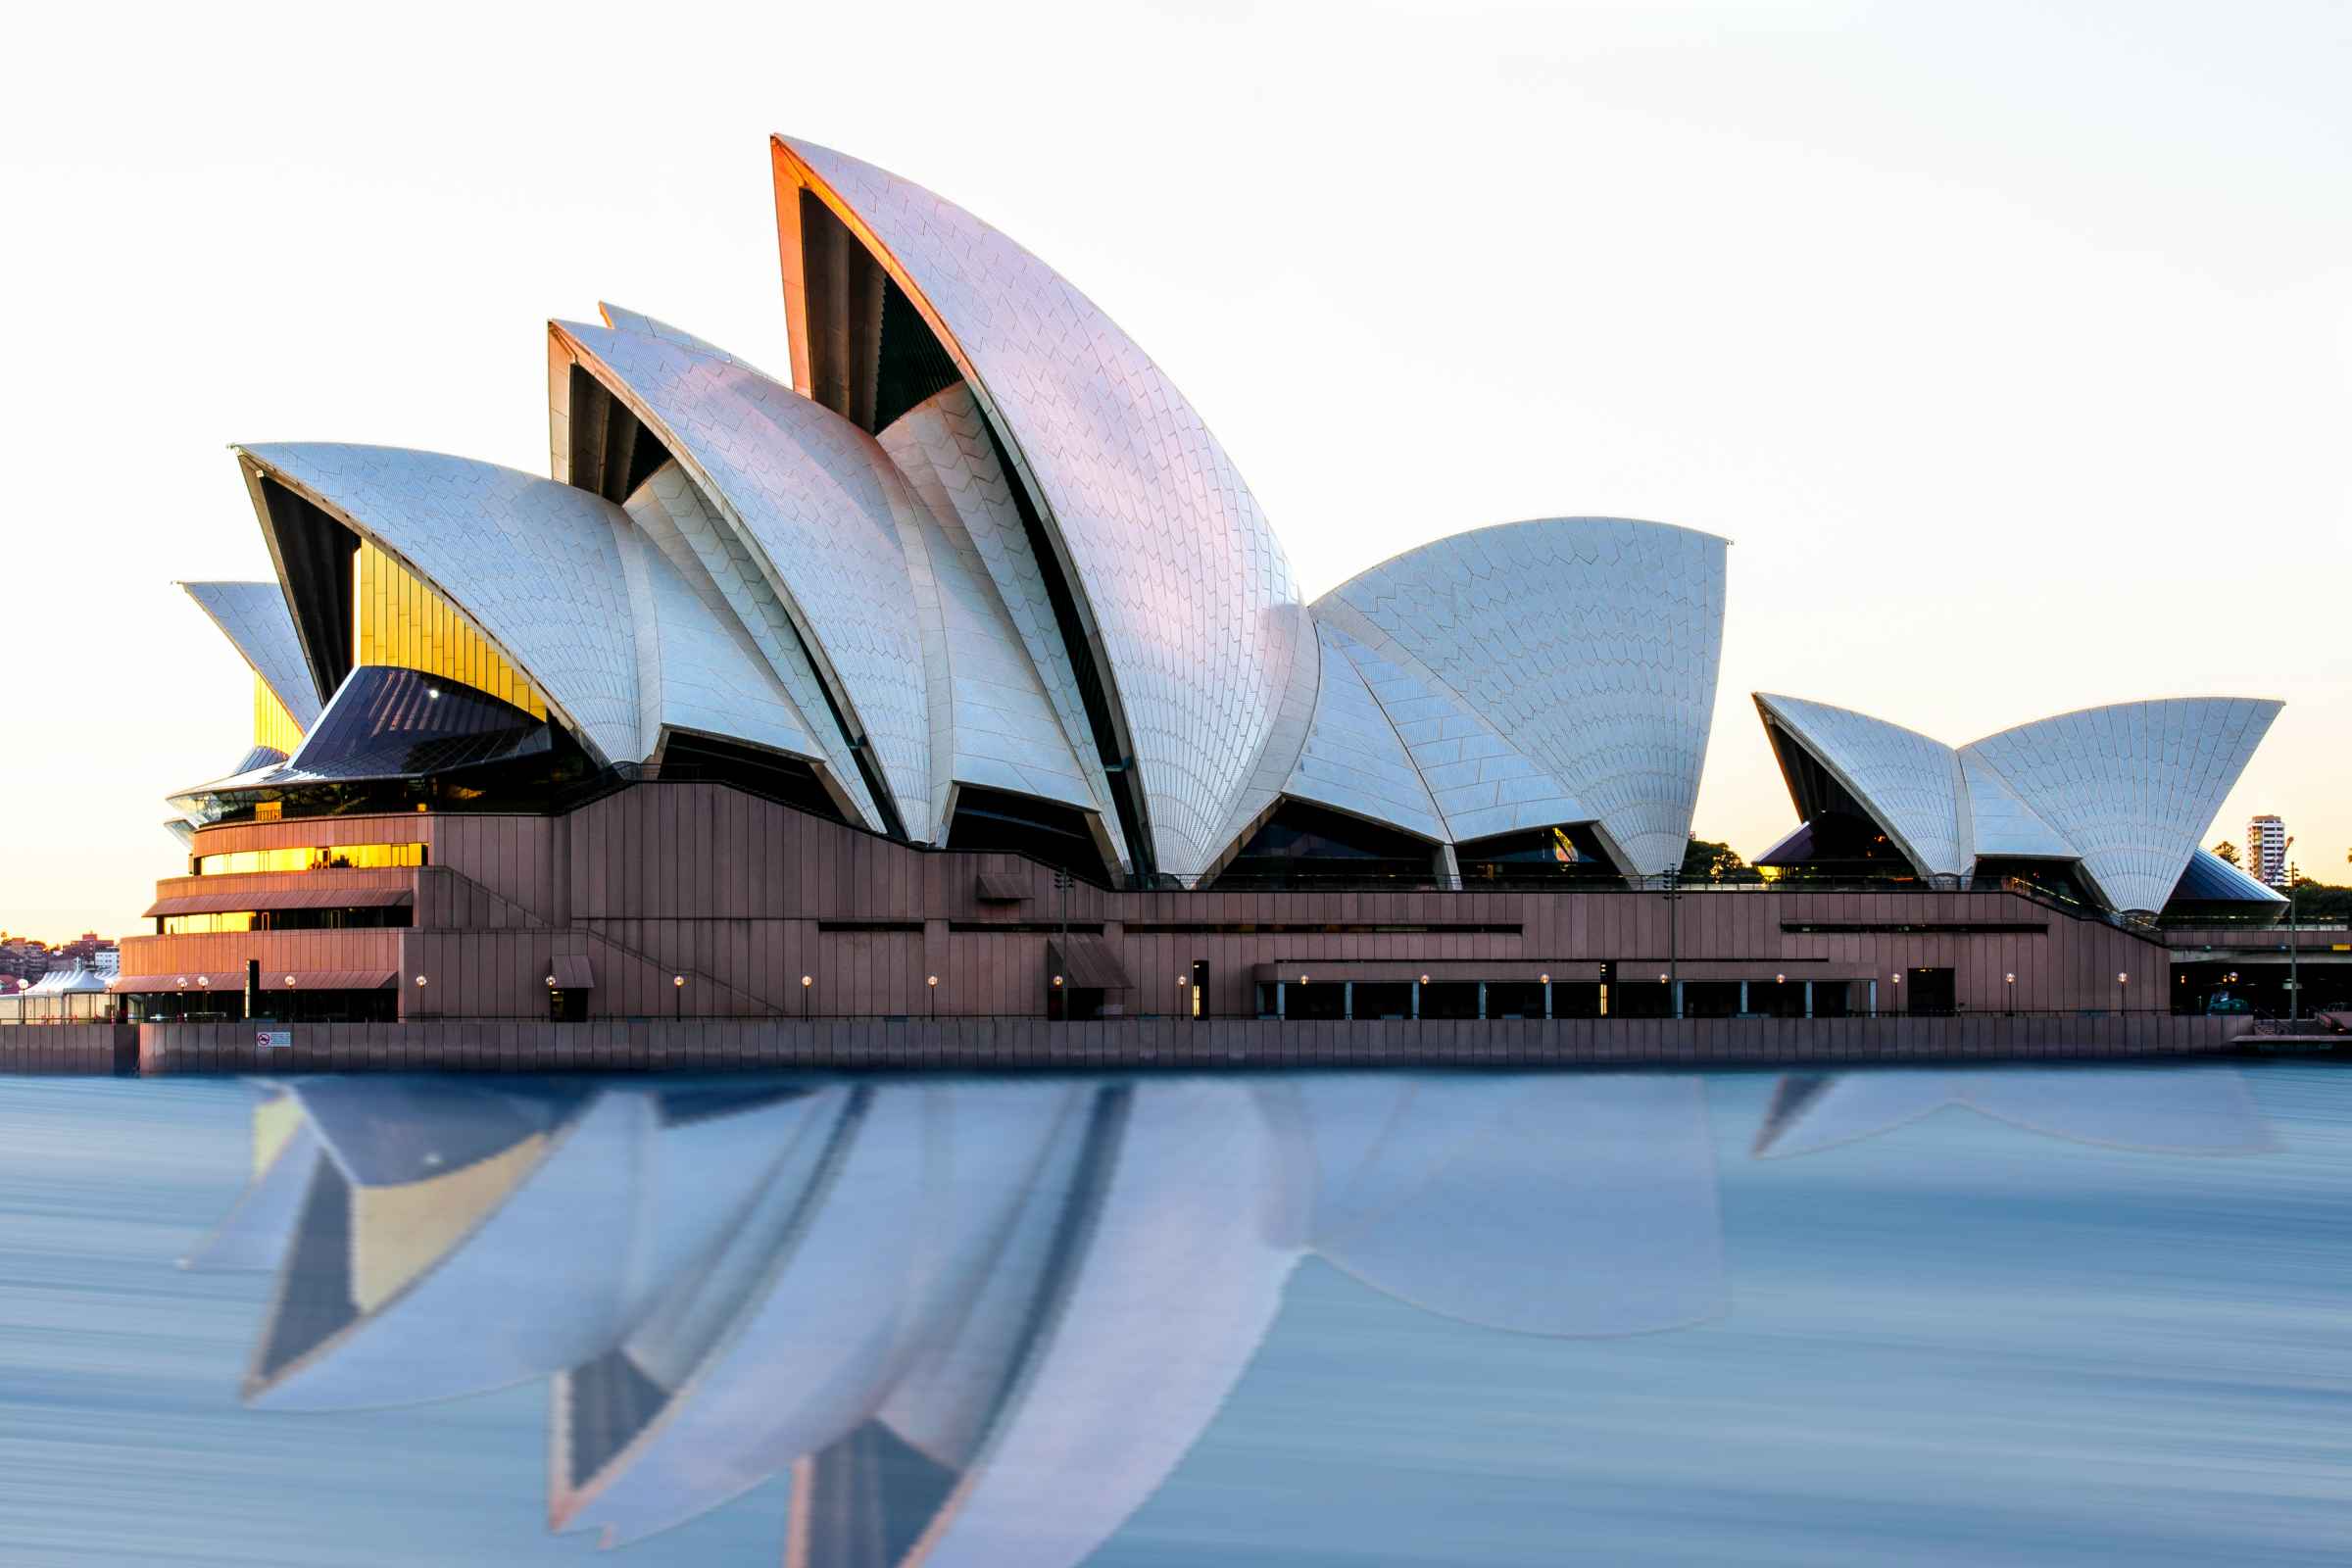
[2010, 343]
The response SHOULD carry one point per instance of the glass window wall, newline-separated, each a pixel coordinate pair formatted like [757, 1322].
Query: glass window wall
[327, 858]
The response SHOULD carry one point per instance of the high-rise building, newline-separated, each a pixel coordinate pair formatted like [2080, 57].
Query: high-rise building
[2266, 851]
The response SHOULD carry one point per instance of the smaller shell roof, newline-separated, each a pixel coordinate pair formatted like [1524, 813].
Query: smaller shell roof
[1908, 781]
[2210, 879]
[1591, 643]
[531, 564]
[2124, 790]
[253, 615]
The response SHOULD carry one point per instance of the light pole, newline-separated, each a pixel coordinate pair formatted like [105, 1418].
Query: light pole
[805, 983]
[2294, 950]
[931, 983]
[2122, 980]
[677, 988]
[1673, 875]
[2010, 985]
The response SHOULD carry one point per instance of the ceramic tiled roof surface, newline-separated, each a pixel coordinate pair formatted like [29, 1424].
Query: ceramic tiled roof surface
[827, 517]
[2132, 786]
[1591, 643]
[253, 617]
[530, 563]
[1909, 783]
[1180, 571]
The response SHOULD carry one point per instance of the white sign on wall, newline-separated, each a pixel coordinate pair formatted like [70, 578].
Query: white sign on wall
[275, 1039]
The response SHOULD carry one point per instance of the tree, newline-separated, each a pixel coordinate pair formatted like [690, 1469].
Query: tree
[2226, 851]
[1706, 860]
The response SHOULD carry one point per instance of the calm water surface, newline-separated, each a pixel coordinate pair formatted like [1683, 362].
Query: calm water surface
[2047, 1317]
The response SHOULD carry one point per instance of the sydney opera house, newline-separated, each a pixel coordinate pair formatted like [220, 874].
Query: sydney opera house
[951, 672]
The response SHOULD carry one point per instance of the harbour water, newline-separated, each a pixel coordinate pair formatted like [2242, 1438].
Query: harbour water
[2042, 1316]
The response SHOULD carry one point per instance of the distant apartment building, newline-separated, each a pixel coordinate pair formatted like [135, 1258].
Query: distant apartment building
[26, 960]
[2266, 851]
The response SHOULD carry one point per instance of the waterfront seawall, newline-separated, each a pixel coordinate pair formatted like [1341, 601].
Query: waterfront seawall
[977, 1044]
[79, 1049]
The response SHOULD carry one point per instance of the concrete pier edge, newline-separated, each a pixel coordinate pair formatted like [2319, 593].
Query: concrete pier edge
[1121, 1045]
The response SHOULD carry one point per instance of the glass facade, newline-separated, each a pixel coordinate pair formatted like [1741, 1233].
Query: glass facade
[1569, 851]
[398, 620]
[231, 920]
[220, 1004]
[1304, 845]
[272, 725]
[330, 857]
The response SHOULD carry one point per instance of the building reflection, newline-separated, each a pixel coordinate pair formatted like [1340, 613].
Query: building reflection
[2172, 1110]
[981, 1322]
[976, 1322]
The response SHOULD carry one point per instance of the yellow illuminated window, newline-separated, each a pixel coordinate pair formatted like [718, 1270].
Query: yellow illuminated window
[330, 857]
[272, 725]
[197, 926]
[398, 620]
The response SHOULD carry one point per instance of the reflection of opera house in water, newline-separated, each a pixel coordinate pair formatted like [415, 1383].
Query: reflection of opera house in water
[981, 1323]
[954, 672]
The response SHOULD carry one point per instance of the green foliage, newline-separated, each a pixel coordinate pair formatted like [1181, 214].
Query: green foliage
[1708, 861]
[2319, 902]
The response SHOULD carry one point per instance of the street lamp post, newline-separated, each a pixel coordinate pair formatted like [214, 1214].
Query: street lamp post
[677, 986]
[1672, 876]
[2294, 951]
[806, 982]
[2122, 980]
[931, 984]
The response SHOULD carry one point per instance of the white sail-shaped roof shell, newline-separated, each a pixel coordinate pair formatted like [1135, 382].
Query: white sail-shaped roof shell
[697, 669]
[2000, 825]
[1353, 757]
[531, 564]
[1591, 643]
[253, 617]
[1480, 782]
[826, 515]
[1191, 603]
[2132, 786]
[1909, 783]
[992, 721]
[2123, 792]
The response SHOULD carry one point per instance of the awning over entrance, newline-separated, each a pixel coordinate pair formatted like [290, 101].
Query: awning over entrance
[1002, 886]
[259, 899]
[572, 972]
[232, 982]
[1088, 963]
